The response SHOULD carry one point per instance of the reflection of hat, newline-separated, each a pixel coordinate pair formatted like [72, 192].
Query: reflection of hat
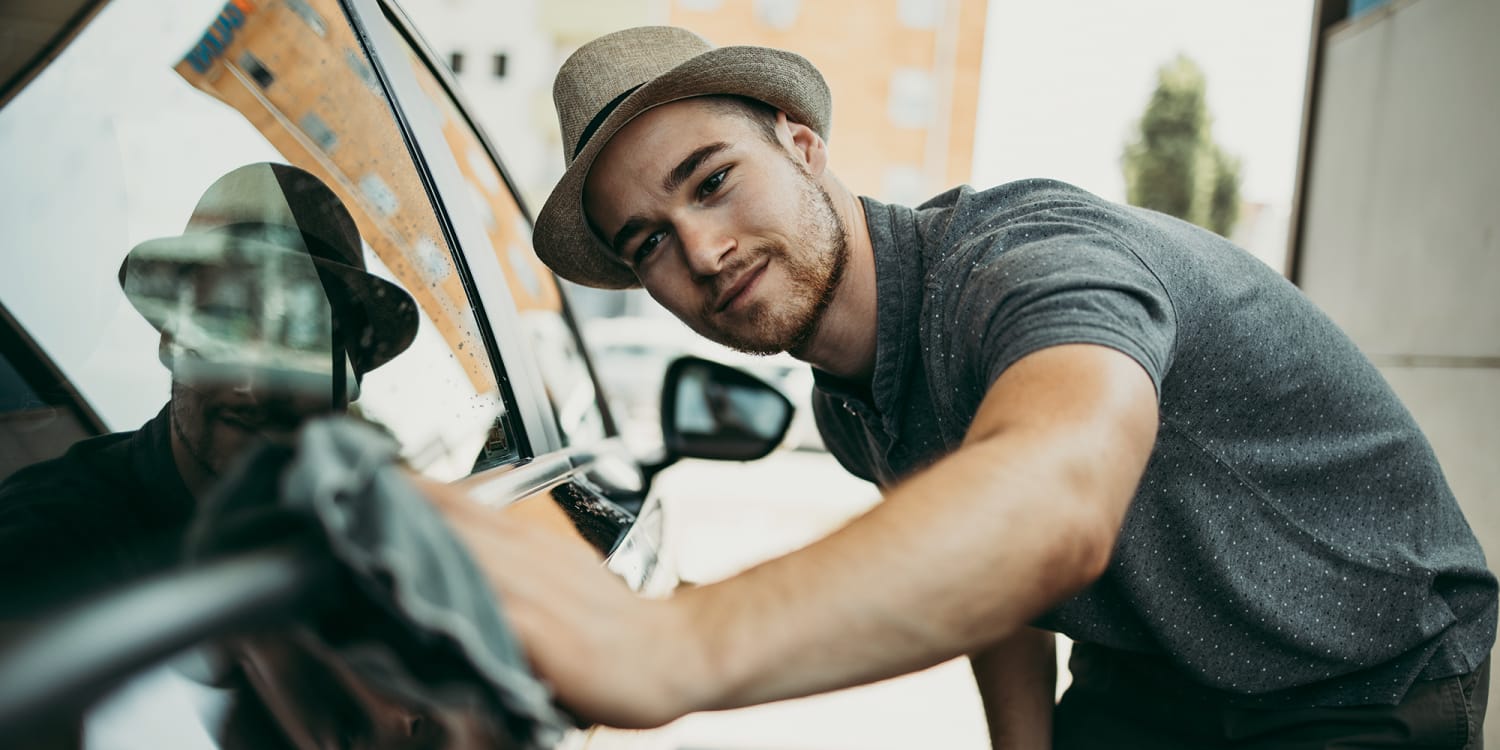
[611, 80]
[274, 215]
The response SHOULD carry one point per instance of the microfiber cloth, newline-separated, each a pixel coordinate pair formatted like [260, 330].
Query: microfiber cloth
[413, 629]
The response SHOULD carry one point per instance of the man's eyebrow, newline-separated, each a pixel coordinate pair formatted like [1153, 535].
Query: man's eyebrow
[632, 225]
[670, 184]
[688, 166]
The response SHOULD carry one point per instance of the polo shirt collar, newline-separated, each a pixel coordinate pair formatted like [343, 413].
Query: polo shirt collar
[896, 242]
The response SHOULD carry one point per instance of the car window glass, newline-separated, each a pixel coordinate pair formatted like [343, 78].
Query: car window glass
[538, 299]
[119, 141]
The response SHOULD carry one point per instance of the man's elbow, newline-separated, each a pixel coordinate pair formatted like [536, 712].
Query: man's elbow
[1102, 492]
[1098, 548]
[1083, 551]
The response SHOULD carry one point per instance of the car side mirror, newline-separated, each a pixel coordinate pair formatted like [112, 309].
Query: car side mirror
[710, 410]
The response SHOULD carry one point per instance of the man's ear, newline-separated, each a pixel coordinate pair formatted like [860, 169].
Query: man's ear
[805, 144]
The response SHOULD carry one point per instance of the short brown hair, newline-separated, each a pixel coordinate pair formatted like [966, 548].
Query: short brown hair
[762, 115]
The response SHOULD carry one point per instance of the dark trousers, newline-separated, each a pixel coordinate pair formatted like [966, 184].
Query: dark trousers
[1119, 701]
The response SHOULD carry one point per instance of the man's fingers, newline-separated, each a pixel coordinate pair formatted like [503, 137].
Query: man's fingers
[583, 630]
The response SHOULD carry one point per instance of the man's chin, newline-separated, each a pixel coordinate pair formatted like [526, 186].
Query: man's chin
[760, 328]
[763, 345]
[759, 350]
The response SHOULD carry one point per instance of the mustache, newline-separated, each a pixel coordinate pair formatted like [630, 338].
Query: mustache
[275, 415]
[722, 280]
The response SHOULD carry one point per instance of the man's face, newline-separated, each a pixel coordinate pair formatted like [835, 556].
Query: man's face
[725, 228]
[216, 423]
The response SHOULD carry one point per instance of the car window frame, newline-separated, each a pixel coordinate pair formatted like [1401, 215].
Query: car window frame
[390, 41]
[422, 136]
[404, 26]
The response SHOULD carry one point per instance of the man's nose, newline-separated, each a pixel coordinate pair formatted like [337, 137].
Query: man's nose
[244, 385]
[705, 246]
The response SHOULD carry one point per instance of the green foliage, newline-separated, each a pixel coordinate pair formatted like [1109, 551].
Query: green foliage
[1173, 165]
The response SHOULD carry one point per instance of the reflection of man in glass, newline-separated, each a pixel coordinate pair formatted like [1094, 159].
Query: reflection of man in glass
[267, 317]
[728, 407]
[256, 301]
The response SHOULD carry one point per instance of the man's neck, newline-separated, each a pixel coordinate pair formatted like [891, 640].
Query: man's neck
[844, 342]
[195, 476]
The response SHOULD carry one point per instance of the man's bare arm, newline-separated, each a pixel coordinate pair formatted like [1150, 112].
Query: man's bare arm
[1024, 514]
[1017, 679]
[962, 555]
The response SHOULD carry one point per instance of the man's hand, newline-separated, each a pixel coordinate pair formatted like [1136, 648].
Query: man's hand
[612, 657]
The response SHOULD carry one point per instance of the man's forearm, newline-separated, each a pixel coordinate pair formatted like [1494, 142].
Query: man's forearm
[1024, 514]
[1002, 560]
[1017, 680]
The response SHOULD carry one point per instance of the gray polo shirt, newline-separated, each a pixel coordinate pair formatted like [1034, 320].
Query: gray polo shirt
[1293, 539]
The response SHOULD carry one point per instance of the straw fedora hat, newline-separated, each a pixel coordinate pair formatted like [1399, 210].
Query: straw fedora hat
[273, 216]
[614, 78]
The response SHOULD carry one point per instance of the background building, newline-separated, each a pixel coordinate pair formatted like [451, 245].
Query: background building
[905, 77]
[904, 74]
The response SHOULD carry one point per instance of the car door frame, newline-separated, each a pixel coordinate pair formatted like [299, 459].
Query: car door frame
[514, 363]
[605, 469]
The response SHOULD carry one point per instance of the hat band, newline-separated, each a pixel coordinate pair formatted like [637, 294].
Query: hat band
[601, 117]
[316, 246]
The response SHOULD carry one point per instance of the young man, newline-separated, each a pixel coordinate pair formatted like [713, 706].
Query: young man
[1086, 418]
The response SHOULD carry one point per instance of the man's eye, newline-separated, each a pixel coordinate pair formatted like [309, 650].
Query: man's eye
[713, 183]
[647, 247]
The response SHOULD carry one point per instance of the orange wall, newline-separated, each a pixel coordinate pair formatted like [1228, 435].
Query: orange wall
[858, 52]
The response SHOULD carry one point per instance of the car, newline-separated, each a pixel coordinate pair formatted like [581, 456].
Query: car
[118, 121]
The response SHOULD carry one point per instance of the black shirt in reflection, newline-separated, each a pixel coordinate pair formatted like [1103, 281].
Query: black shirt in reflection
[111, 509]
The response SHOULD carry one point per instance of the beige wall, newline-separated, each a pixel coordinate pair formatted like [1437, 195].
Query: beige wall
[1401, 243]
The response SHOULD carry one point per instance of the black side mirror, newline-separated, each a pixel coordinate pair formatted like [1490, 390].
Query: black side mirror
[714, 411]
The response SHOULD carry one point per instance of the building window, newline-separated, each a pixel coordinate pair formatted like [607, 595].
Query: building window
[500, 65]
[456, 62]
[361, 69]
[912, 98]
[318, 130]
[777, 14]
[256, 70]
[379, 194]
[903, 184]
[431, 261]
[308, 16]
[920, 14]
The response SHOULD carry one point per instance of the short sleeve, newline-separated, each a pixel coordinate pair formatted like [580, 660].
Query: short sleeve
[1040, 286]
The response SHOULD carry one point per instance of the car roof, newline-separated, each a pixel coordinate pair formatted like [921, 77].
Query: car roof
[37, 31]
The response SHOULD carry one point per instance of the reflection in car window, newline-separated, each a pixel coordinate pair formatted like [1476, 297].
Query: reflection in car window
[213, 229]
[538, 299]
[116, 141]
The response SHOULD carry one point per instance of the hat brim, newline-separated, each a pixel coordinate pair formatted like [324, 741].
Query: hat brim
[389, 313]
[784, 80]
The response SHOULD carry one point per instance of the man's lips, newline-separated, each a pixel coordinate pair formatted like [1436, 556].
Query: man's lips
[242, 422]
[741, 285]
[258, 421]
